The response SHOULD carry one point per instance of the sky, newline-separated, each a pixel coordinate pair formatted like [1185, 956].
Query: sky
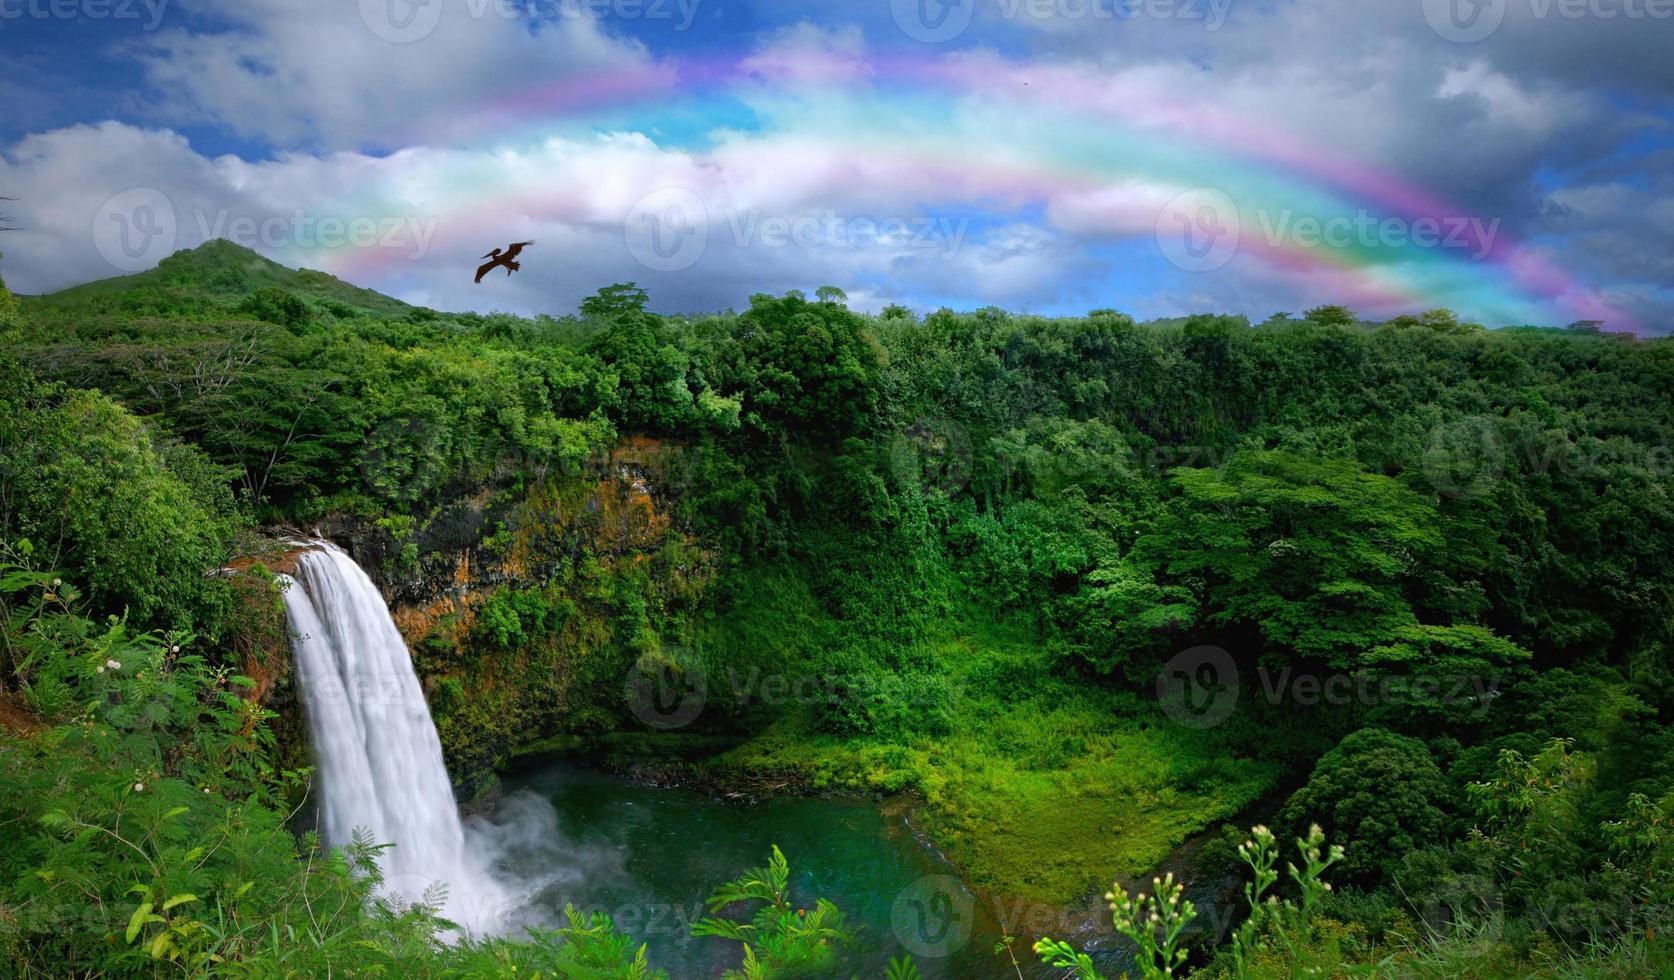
[1512, 160]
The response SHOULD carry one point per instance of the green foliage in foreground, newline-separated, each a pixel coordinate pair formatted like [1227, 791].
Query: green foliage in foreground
[145, 837]
[1300, 932]
[1281, 928]
[778, 940]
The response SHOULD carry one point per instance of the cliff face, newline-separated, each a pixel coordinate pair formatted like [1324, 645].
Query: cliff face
[525, 608]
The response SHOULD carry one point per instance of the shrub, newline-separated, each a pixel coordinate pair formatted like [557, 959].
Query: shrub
[274, 305]
[1378, 793]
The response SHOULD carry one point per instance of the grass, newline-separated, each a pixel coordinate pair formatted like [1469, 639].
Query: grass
[1042, 789]
[1037, 782]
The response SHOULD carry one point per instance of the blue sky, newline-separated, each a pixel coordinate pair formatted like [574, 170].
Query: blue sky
[1040, 155]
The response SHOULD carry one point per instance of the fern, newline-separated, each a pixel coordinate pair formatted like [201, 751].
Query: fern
[778, 940]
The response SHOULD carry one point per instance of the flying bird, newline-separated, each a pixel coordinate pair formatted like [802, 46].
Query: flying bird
[506, 257]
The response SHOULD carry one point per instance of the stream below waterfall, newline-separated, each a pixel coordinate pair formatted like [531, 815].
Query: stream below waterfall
[649, 856]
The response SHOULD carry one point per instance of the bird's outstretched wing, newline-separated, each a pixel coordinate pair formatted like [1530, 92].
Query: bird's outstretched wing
[506, 257]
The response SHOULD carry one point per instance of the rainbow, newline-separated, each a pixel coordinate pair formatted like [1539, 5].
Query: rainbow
[987, 132]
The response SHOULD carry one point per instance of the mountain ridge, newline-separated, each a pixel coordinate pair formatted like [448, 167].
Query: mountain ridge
[219, 270]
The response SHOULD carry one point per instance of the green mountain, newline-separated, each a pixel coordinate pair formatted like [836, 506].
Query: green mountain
[216, 277]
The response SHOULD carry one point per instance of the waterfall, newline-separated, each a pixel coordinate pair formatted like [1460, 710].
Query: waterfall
[378, 758]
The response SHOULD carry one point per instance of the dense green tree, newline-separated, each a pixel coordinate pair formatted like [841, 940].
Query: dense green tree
[1331, 316]
[1311, 556]
[8, 306]
[652, 373]
[808, 368]
[91, 488]
[275, 305]
[1380, 794]
[623, 298]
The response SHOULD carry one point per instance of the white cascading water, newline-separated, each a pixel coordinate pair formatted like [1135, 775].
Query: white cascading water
[378, 759]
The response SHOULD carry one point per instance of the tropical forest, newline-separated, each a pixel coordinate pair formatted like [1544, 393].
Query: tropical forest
[342, 636]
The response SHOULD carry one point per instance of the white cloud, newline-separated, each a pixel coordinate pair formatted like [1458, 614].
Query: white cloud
[429, 213]
[298, 72]
[806, 53]
[63, 178]
[1511, 108]
[1124, 209]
